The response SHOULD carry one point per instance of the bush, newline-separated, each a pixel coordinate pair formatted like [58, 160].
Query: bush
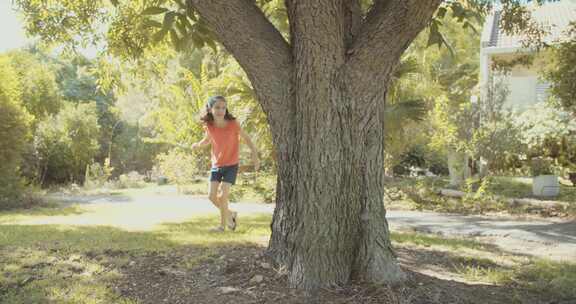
[25, 198]
[67, 143]
[97, 175]
[131, 180]
[178, 166]
[14, 129]
[541, 166]
[422, 157]
[479, 198]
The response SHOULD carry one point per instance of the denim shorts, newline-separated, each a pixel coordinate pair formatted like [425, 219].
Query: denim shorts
[225, 174]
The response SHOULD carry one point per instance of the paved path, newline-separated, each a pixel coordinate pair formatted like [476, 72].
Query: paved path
[549, 238]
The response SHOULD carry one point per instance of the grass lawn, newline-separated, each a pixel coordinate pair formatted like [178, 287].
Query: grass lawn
[64, 263]
[520, 187]
[79, 264]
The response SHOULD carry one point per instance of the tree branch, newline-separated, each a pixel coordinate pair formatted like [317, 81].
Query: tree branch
[256, 44]
[390, 27]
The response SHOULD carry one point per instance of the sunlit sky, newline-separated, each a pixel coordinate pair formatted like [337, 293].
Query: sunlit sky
[12, 34]
[11, 27]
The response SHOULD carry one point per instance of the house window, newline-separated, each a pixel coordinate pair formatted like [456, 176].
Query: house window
[542, 91]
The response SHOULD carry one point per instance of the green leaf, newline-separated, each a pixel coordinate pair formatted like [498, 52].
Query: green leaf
[212, 44]
[441, 13]
[181, 4]
[187, 22]
[181, 25]
[467, 24]
[185, 42]
[234, 91]
[197, 40]
[434, 37]
[190, 12]
[203, 29]
[175, 39]
[437, 38]
[406, 66]
[154, 10]
[413, 109]
[158, 36]
[458, 11]
[169, 20]
[114, 2]
[152, 23]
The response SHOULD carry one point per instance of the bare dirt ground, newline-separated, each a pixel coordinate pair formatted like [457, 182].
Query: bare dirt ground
[243, 275]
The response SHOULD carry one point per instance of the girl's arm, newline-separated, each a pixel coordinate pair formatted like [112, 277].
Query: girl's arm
[250, 144]
[204, 141]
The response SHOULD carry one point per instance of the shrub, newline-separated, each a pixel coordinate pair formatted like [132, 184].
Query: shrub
[178, 166]
[14, 129]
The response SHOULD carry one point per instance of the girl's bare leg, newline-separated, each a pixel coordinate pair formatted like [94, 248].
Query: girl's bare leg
[214, 198]
[213, 193]
[225, 213]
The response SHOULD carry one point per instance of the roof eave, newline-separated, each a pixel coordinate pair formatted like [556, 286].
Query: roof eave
[505, 50]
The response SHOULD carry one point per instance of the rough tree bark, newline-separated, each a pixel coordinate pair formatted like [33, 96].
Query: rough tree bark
[323, 93]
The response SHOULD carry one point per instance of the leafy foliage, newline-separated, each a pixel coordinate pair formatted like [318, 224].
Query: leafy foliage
[549, 132]
[67, 142]
[180, 167]
[40, 92]
[14, 129]
[561, 73]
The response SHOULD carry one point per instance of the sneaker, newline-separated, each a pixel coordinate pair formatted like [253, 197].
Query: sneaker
[217, 229]
[233, 221]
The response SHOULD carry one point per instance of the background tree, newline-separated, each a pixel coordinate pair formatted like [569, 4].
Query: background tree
[561, 73]
[40, 96]
[40, 92]
[562, 76]
[496, 140]
[14, 130]
[67, 143]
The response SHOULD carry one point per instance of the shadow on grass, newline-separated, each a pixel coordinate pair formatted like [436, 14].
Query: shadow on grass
[79, 264]
[113, 197]
[47, 209]
[67, 264]
[552, 280]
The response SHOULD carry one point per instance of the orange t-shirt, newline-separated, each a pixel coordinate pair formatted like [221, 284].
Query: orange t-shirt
[225, 143]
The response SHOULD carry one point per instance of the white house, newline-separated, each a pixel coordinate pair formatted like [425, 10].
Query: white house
[524, 84]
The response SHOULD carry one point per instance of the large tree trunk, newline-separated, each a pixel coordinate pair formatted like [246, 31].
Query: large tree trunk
[329, 225]
[323, 93]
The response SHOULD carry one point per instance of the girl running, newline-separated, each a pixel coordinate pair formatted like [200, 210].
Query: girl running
[222, 131]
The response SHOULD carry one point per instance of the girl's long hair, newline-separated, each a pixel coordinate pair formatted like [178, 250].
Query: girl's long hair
[207, 116]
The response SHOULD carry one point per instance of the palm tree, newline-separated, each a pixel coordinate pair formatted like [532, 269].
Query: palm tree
[403, 107]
